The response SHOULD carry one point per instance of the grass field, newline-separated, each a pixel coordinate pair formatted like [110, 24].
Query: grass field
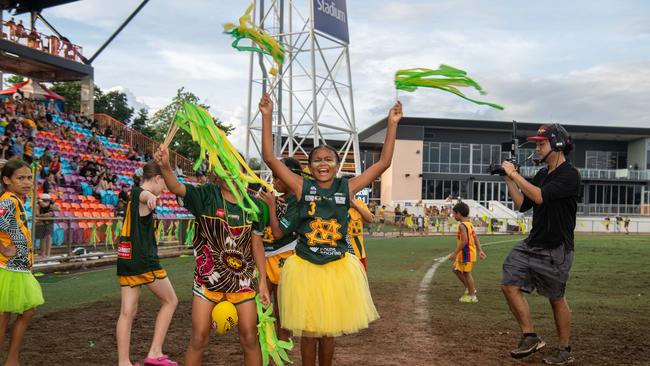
[608, 293]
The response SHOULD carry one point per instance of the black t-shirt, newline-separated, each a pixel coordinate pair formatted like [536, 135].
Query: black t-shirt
[555, 219]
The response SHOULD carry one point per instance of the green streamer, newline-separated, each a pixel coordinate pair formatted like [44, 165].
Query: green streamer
[223, 158]
[445, 78]
[269, 343]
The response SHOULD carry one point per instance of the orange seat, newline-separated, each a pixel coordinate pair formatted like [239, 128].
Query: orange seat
[85, 206]
[75, 205]
[87, 214]
[91, 198]
[93, 206]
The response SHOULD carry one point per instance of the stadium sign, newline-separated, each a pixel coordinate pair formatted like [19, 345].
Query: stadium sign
[330, 17]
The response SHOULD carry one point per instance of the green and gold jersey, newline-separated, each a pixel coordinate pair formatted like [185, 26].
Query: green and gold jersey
[321, 221]
[137, 252]
[284, 208]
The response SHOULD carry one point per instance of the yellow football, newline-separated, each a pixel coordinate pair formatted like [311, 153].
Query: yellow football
[224, 317]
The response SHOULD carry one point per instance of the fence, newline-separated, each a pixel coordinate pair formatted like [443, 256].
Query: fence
[51, 44]
[144, 143]
[72, 237]
[491, 225]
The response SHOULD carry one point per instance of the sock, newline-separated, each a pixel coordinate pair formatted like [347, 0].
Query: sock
[568, 348]
[530, 334]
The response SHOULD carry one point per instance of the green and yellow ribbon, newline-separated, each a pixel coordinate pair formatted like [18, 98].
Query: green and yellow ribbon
[271, 346]
[445, 78]
[223, 158]
[265, 43]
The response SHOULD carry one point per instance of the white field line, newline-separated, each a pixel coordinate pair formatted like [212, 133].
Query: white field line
[421, 309]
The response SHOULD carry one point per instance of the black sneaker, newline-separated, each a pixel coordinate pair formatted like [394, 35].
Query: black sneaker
[559, 356]
[527, 346]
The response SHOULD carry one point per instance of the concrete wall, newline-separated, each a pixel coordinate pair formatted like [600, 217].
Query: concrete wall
[407, 159]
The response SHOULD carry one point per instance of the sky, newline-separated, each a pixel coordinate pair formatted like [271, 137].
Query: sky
[572, 62]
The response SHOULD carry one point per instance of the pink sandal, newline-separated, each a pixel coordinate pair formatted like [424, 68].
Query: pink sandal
[160, 361]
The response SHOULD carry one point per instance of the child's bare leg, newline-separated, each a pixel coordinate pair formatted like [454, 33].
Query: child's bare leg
[460, 276]
[469, 281]
[4, 321]
[308, 346]
[129, 307]
[325, 351]
[168, 301]
[247, 313]
[17, 334]
[201, 324]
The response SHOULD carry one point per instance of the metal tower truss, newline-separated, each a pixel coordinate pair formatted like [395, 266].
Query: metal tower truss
[312, 93]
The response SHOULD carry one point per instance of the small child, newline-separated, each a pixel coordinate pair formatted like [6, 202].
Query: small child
[20, 292]
[464, 256]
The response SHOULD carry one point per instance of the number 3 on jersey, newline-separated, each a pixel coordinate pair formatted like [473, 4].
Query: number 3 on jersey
[312, 208]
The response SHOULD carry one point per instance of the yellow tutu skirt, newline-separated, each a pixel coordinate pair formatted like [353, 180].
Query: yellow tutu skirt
[325, 300]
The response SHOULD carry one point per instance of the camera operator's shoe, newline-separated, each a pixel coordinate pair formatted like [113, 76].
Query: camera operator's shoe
[559, 356]
[527, 346]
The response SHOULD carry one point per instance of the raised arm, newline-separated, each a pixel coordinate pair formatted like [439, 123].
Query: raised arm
[366, 215]
[162, 159]
[364, 179]
[294, 181]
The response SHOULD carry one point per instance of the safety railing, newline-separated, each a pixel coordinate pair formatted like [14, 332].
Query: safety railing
[51, 44]
[143, 143]
[76, 238]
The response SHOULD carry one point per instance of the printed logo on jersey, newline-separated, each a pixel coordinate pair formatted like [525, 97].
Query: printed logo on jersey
[324, 232]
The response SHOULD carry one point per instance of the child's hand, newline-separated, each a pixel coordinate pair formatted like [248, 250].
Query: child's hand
[395, 114]
[152, 202]
[161, 156]
[265, 298]
[9, 250]
[482, 255]
[266, 105]
[268, 198]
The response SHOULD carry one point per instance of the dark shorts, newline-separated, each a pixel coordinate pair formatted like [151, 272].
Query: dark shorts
[43, 230]
[546, 270]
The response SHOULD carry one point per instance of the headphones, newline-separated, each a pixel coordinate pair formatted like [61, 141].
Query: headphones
[560, 141]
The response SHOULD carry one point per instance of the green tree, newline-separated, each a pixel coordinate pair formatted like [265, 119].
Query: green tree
[14, 79]
[71, 91]
[113, 103]
[160, 121]
[140, 121]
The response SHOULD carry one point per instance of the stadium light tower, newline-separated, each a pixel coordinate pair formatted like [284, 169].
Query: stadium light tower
[312, 92]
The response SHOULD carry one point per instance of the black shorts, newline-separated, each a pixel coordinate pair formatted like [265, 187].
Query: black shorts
[546, 270]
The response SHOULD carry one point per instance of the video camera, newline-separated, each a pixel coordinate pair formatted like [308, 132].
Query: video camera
[510, 146]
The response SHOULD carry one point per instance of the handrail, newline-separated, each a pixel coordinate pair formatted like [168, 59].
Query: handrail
[144, 143]
[55, 46]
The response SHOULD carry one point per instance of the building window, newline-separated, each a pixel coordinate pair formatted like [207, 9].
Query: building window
[613, 198]
[439, 189]
[605, 159]
[444, 157]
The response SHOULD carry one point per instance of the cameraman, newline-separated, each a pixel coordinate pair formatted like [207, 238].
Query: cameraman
[542, 261]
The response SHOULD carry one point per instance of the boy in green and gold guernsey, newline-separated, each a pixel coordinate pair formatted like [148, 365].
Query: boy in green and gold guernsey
[228, 249]
[138, 264]
[323, 289]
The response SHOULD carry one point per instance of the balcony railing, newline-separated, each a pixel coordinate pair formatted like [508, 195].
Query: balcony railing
[606, 174]
[61, 47]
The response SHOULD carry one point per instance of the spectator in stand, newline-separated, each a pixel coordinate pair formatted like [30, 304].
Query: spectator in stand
[11, 127]
[108, 132]
[11, 24]
[34, 40]
[46, 158]
[132, 155]
[74, 164]
[29, 150]
[18, 148]
[49, 185]
[123, 200]
[44, 228]
[5, 149]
